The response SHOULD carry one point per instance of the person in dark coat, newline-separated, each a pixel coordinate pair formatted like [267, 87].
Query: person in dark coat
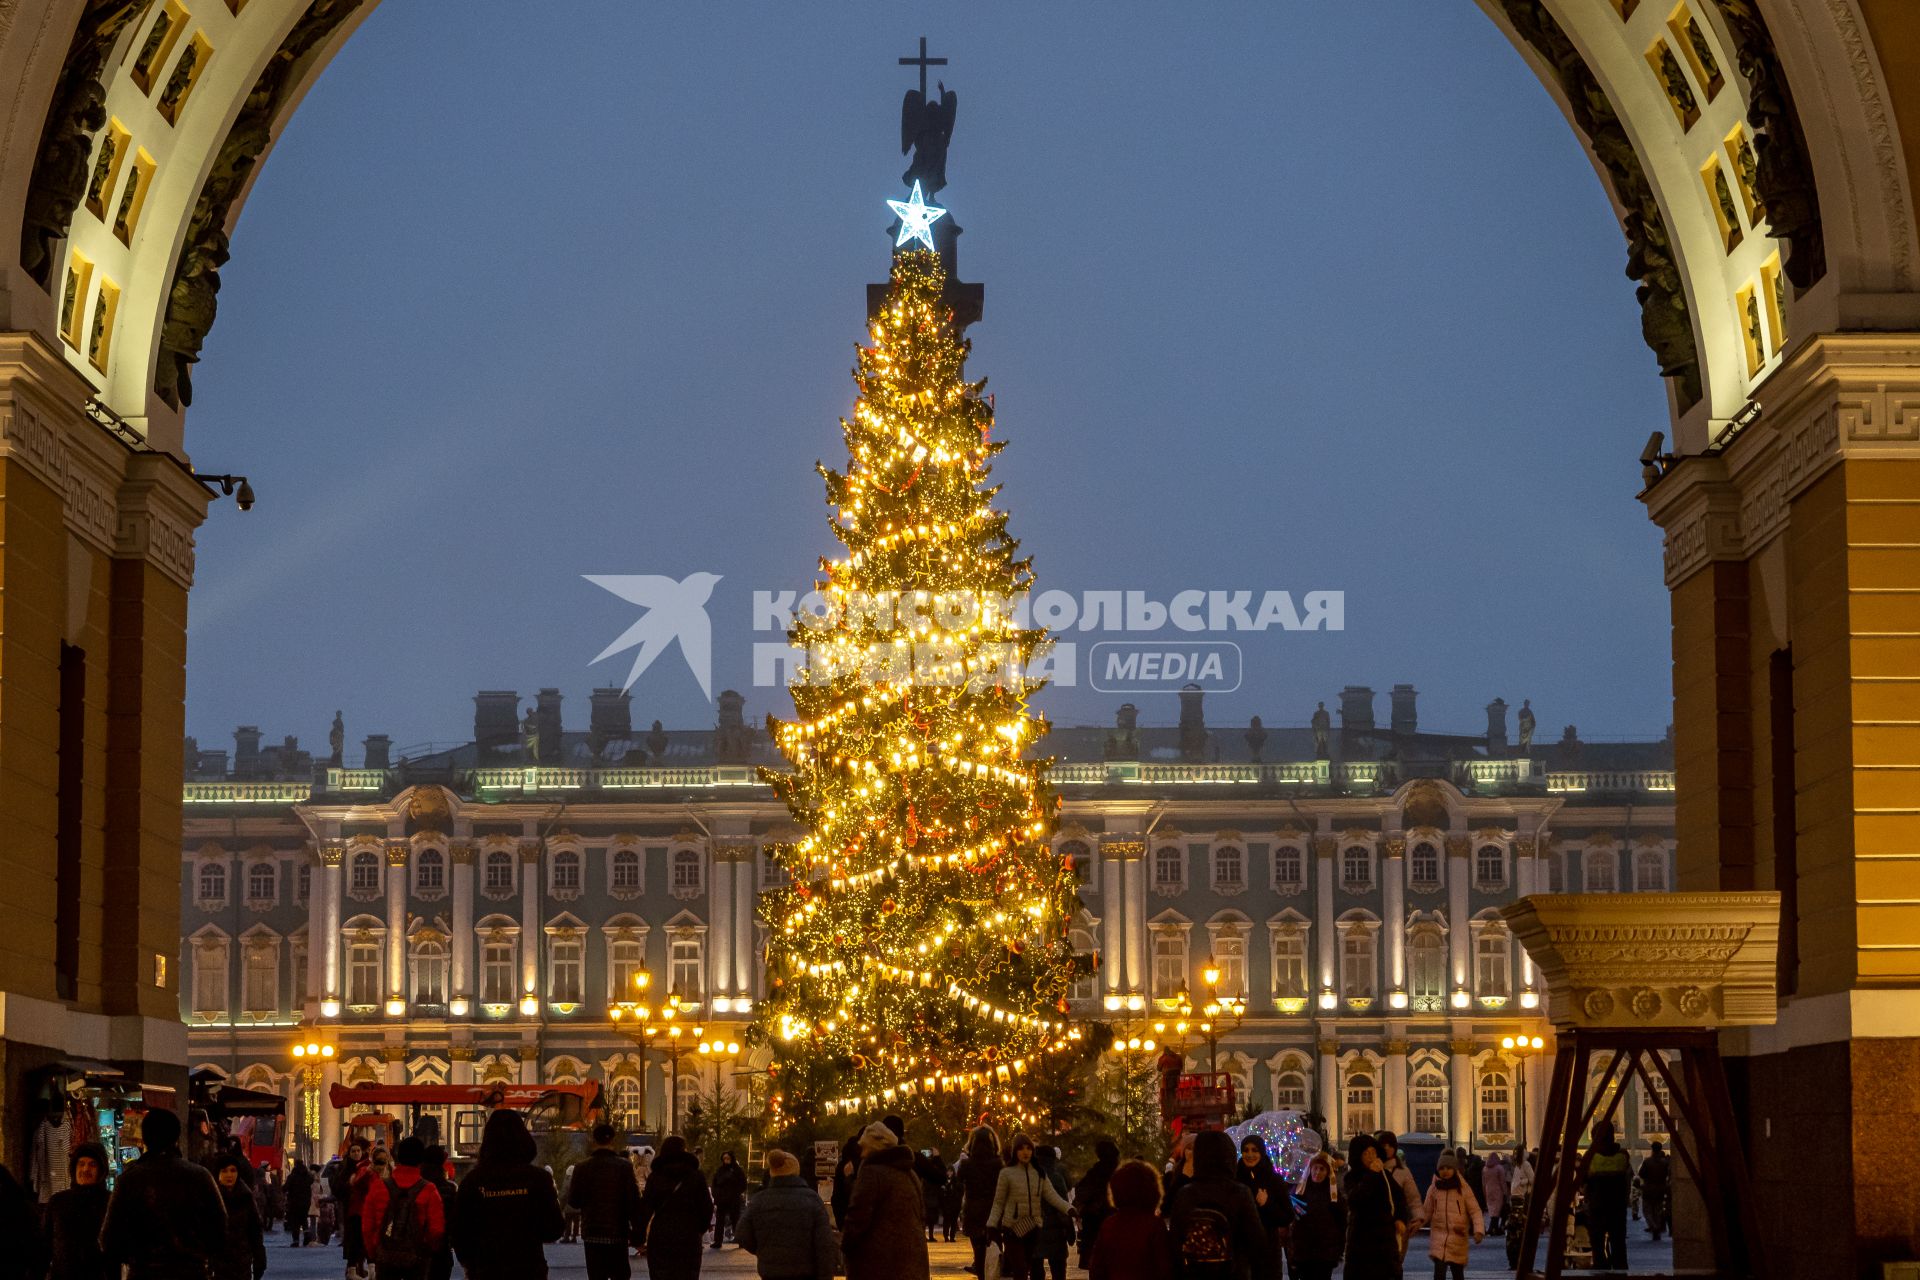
[1056, 1226]
[1256, 1173]
[953, 1197]
[1132, 1243]
[17, 1223]
[932, 1172]
[880, 1236]
[1609, 1185]
[786, 1227]
[434, 1169]
[299, 1193]
[675, 1211]
[978, 1174]
[165, 1220]
[607, 1195]
[729, 1189]
[1373, 1214]
[74, 1217]
[506, 1207]
[1090, 1203]
[243, 1253]
[1656, 1186]
[1320, 1229]
[844, 1172]
[1212, 1190]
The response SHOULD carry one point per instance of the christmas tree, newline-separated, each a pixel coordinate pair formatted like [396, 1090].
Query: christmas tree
[920, 951]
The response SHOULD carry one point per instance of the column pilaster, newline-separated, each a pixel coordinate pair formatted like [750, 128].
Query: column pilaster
[460, 959]
[531, 934]
[1397, 1117]
[1326, 1082]
[1459, 918]
[396, 920]
[1460, 1093]
[1326, 865]
[1394, 926]
[330, 885]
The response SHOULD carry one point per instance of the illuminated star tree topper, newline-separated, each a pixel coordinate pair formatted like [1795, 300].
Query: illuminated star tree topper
[916, 218]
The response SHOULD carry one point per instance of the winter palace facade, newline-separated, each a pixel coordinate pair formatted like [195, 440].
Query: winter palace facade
[473, 913]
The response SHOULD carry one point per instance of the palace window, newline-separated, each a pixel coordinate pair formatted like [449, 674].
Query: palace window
[1290, 1091]
[303, 884]
[686, 870]
[1361, 1107]
[1169, 867]
[772, 874]
[428, 979]
[1556, 876]
[1085, 985]
[1602, 870]
[499, 870]
[1169, 963]
[1229, 868]
[210, 977]
[623, 1099]
[1289, 966]
[1490, 867]
[263, 883]
[1427, 969]
[1356, 867]
[429, 871]
[566, 871]
[1357, 965]
[1230, 956]
[684, 964]
[1650, 870]
[1424, 864]
[260, 986]
[564, 976]
[363, 974]
[365, 872]
[213, 882]
[496, 972]
[625, 958]
[1077, 857]
[1496, 1110]
[1429, 1102]
[1652, 1124]
[626, 870]
[1289, 871]
[1494, 964]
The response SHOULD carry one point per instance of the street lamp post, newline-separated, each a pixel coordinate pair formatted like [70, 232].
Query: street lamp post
[637, 1014]
[1520, 1047]
[312, 1057]
[1129, 1049]
[1217, 1007]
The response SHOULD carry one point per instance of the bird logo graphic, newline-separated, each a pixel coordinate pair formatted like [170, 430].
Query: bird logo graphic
[674, 611]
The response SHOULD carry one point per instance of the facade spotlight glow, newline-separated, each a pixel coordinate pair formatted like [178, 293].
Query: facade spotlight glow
[1135, 1003]
[1328, 1000]
[457, 1006]
[330, 1007]
[1113, 1004]
[529, 1004]
[1397, 999]
[1529, 999]
[1461, 999]
[395, 1006]
[723, 1004]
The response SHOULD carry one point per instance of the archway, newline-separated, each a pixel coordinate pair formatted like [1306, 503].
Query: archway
[1794, 620]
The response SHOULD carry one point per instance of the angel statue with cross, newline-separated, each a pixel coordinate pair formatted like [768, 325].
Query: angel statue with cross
[926, 126]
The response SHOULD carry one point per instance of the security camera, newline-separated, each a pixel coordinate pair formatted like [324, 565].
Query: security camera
[244, 497]
[1651, 454]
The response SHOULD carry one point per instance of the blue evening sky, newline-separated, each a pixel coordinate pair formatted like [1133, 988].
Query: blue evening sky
[1279, 296]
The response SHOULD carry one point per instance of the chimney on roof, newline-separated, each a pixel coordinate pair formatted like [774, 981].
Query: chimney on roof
[246, 751]
[611, 713]
[1356, 708]
[378, 747]
[546, 718]
[730, 744]
[496, 719]
[1405, 718]
[1496, 726]
[1193, 723]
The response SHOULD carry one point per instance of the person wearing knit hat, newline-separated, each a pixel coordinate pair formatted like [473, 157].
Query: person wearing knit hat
[1447, 1160]
[881, 1236]
[1453, 1217]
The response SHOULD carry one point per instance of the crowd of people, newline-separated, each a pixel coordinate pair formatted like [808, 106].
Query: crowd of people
[1213, 1212]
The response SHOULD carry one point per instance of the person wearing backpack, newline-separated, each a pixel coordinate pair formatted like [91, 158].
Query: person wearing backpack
[675, 1211]
[434, 1169]
[1217, 1232]
[402, 1221]
[1020, 1200]
[506, 1207]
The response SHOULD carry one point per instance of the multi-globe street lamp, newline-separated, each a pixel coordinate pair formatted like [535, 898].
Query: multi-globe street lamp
[312, 1057]
[1520, 1047]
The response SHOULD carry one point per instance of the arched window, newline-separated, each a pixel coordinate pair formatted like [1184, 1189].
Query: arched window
[626, 869]
[213, 882]
[1169, 868]
[363, 973]
[429, 971]
[429, 871]
[1494, 964]
[1429, 1102]
[1427, 970]
[263, 882]
[499, 870]
[1496, 1107]
[686, 870]
[1289, 869]
[1490, 866]
[1361, 1107]
[1290, 1091]
[1650, 870]
[1085, 985]
[1229, 867]
[1357, 964]
[1602, 869]
[496, 971]
[623, 1100]
[1424, 863]
[366, 871]
[1356, 867]
[566, 871]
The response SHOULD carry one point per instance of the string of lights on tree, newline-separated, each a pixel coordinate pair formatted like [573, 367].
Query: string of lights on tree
[920, 948]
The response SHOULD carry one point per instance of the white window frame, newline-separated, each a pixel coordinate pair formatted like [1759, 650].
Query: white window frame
[1227, 939]
[1366, 860]
[1492, 963]
[490, 992]
[212, 960]
[1438, 879]
[1084, 939]
[567, 953]
[1654, 856]
[1427, 998]
[615, 854]
[1500, 877]
[271, 898]
[212, 867]
[421, 888]
[1495, 1098]
[686, 872]
[1176, 948]
[1359, 1114]
[1430, 1079]
[496, 858]
[1230, 867]
[418, 964]
[260, 947]
[1178, 860]
[687, 959]
[1366, 932]
[1301, 859]
[1288, 950]
[576, 859]
[354, 966]
[1592, 859]
[356, 861]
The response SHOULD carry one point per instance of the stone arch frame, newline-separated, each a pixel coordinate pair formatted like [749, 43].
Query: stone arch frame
[1290, 924]
[1222, 842]
[1084, 924]
[1420, 1062]
[1486, 1063]
[418, 845]
[1357, 922]
[566, 1068]
[1233, 926]
[1423, 924]
[1295, 1062]
[1300, 845]
[258, 1075]
[1437, 839]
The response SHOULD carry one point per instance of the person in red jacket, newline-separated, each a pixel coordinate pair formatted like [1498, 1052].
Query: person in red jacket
[406, 1251]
